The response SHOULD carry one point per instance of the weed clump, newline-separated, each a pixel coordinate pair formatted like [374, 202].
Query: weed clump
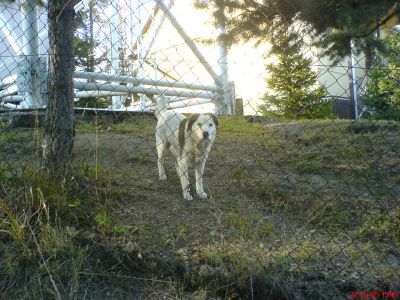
[46, 232]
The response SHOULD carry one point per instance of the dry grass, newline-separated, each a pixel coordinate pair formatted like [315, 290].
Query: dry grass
[297, 210]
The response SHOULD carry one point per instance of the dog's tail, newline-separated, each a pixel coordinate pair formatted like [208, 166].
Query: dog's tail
[160, 104]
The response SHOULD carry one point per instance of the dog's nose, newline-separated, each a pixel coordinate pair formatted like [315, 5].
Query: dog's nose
[206, 134]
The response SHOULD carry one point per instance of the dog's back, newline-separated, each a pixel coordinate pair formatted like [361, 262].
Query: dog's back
[166, 118]
[168, 124]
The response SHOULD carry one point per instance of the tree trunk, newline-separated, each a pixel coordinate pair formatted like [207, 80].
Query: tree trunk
[59, 125]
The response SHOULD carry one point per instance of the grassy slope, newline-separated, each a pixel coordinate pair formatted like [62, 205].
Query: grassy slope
[297, 210]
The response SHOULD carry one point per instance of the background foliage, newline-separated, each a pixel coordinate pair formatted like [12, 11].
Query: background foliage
[383, 89]
[334, 23]
[296, 91]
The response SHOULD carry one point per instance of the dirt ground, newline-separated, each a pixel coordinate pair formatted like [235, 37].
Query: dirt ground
[158, 207]
[298, 210]
[310, 191]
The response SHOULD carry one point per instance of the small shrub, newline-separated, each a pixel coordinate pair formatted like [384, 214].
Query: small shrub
[296, 92]
[383, 92]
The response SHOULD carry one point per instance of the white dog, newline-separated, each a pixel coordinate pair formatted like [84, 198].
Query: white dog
[189, 139]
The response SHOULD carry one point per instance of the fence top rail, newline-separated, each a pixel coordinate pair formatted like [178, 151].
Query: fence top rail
[144, 81]
[90, 86]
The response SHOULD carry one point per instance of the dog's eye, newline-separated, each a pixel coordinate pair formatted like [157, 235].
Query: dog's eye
[199, 124]
[210, 125]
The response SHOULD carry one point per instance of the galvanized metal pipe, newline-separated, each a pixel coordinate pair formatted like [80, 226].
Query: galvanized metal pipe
[157, 29]
[11, 90]
[7, 81]
[90, 94]
[145, 81]
[16, 98]
[10, 105]
[8, 33]
[354, 78]
[224, 104]
[188, 41]
[89, 86]
[115, 45]
[30, 49]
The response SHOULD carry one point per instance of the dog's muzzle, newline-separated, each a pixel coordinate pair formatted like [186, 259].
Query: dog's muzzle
[206, 135]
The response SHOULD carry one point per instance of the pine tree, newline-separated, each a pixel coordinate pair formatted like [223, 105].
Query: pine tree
[383, 91]
[297, 94]
[334, 23]
[85, 40]
[87, 45]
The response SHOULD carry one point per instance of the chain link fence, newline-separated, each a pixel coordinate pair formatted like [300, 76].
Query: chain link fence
[302, 166]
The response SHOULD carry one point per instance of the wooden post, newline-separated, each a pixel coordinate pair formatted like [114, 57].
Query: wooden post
[239, 107]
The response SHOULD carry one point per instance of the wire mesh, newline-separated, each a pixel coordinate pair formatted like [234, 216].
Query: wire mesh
[295, 196]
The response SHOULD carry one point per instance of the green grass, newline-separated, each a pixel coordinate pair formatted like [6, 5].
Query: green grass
[382, 226]
[298, 210]
[240, 125]
[140, 124]
[49, 225]
[17, 136]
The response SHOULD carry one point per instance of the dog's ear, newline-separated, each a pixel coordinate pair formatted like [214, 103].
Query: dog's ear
[191, 121]
[214, 118]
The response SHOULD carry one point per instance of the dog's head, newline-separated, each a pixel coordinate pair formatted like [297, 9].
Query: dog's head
[203, 126]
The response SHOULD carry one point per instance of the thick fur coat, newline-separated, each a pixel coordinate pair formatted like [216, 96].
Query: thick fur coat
[189, 139]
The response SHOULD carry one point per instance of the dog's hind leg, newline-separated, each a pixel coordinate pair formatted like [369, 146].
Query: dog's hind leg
[162, 146]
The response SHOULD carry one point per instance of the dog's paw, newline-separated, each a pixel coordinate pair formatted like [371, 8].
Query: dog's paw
[187, 196]
[163, 177]
[202, 195]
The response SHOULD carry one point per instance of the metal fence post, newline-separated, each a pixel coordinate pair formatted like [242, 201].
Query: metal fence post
[354, 78]
[224, 105]
[115, 48]
[30, 50]
[140, 59]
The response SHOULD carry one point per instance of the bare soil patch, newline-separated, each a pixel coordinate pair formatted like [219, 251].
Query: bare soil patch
[296, 210]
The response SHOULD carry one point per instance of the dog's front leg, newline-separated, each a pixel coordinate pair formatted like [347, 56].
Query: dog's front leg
[183, 173]
[161, 148]
[199, 171]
